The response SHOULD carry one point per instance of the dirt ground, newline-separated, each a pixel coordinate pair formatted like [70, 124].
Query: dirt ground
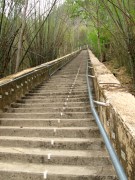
[121, 74]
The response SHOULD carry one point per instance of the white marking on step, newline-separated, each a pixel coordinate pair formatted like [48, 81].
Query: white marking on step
[58, 120]
[67, 99]
[49, 156]
[64, 108]
[61, 114]
[45, 174]
[52, 142]
[6, 93]
[65, 103]
[55, 130]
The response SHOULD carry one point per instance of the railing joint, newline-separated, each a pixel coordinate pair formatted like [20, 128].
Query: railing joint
[91, 76]
[106, 104]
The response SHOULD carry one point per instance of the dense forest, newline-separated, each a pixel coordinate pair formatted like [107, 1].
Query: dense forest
[33, 32]
[110, 30]
[36, 31]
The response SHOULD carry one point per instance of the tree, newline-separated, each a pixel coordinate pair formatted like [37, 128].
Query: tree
[113, 21]
[24, 15]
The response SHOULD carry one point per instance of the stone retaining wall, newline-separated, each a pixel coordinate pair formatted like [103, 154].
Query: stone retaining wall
[119, 117]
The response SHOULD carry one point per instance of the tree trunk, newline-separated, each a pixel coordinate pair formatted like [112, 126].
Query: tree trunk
[98, 34]
[21, 36]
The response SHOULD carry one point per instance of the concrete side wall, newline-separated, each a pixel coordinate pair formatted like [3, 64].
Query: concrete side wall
[17, 85]
[119, 118]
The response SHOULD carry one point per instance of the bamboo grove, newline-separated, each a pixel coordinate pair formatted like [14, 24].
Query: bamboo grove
[111, 29]
[33, 32]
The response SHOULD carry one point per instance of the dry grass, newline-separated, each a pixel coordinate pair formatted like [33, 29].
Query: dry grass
[121, 74]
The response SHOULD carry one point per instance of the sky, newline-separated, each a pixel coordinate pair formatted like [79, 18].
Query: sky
[43, 4]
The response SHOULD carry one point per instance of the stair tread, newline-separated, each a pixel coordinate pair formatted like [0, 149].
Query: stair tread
[48, 113]
[49, 128]
[57, 169]
[75, 107]
[75, 140]
[39, 151]
[48, 119]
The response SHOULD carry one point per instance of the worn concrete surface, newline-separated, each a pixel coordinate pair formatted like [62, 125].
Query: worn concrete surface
[51, 134]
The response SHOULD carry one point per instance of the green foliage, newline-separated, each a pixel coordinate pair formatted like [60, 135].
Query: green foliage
[92, 37]
[111, 29]
[107, 26]
[48, 34]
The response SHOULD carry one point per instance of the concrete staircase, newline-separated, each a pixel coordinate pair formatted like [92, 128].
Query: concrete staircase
[51, 134]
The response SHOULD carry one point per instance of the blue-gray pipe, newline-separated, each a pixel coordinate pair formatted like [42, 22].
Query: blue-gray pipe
[116, 163]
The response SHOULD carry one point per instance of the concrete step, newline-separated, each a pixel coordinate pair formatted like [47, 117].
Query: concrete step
[48, 122]
[54, 93]
[54, 97]
[63, 84]
[48, 105]
[60, 91]
[80, 88]
[27, 171]
[50, 156]
[60, 87]
[65, 115]
[51, 99]
[53, 143]
[65, 78]
[65, 132]
[57, 93]
[47, 109]
[68, 85]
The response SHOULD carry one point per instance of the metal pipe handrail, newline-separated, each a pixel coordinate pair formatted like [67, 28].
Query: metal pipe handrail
[115, 161]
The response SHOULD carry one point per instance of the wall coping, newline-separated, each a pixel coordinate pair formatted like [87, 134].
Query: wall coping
[122, 101]
[23, 72]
